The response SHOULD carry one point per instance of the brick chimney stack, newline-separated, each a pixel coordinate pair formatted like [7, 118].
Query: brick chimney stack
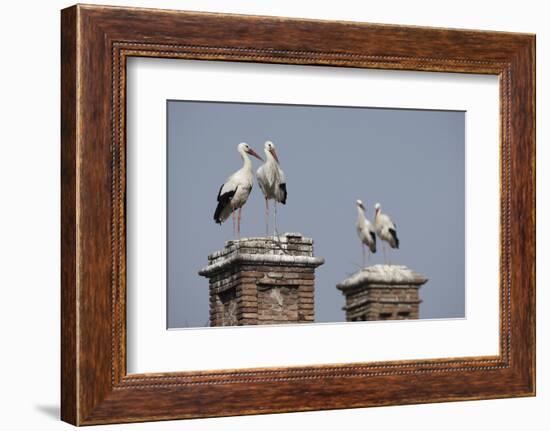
[382, 292]
[262, 280]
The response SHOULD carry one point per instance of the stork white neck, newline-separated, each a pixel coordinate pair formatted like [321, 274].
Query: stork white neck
[247, 163]
[361, 215]
[269, 157]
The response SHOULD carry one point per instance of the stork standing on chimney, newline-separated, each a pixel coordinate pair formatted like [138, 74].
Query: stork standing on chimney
[271, 179]
[234, 192]
[386, 229]
[365, 231]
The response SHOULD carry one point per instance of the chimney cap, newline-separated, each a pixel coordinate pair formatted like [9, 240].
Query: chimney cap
[289, 249]
[387, 275]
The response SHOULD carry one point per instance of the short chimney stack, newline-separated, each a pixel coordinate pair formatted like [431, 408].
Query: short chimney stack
[382, 292]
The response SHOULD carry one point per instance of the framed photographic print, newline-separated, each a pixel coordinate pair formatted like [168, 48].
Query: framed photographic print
[324, 214]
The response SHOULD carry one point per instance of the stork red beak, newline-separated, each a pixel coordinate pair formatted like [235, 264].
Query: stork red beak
[253, 153]
[274, 154]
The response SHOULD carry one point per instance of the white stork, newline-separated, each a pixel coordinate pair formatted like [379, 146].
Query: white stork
[234, 192]
[365, 230]
[385, 228]
[271, 179]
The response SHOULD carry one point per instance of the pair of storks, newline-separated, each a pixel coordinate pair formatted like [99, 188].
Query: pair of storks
[234, 193]
[383, 226]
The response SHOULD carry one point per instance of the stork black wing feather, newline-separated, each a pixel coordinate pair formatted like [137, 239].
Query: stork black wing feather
[223, 201]
[283, 189]
[373, 246]
[395, 239]
[220, 192]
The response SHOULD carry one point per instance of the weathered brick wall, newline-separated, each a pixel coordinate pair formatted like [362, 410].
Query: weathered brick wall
[382, 292]
[259, 281]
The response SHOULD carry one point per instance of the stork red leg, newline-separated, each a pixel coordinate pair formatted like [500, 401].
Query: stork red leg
[266, 217]
[275, 217]
[239, 223]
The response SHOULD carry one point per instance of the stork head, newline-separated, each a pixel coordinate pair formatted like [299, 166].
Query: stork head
[269, 148]
[360, 204]
[377, 208]
[243, 147]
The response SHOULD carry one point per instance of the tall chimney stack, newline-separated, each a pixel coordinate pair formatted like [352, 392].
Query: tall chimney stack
[262, 280]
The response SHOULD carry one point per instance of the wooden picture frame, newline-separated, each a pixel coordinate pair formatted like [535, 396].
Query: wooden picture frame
[95, 43]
